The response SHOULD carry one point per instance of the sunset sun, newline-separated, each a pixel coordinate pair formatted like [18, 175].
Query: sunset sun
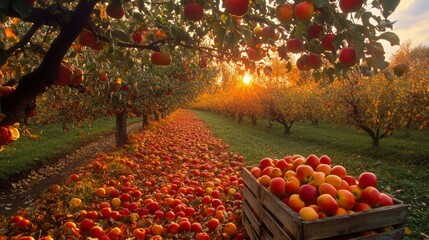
[247, 79]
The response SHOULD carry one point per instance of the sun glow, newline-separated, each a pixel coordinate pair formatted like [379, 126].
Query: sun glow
[247, 79]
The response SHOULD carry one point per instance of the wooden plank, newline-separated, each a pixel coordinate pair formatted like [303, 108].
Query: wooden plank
[396, 234]
[356, 222]
[254, 222]
[248, 228]
[290, 220]
[273, 226]
[250, 181]
[253, 201]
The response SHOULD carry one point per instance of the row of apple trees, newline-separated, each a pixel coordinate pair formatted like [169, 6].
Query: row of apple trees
[375, 105]
[52, 52]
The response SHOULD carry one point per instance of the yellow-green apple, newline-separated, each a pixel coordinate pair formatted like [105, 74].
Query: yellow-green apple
[371, 196]
[317, 179]
[308, 193]
[236, 7]
[334, 180]
[276, 172]
[350, 180]
[308, 213]
[256, 172]
[264, 180]
[295, 202]
[327, 188]
[292, 185]
[367, 179]
[297, 162]
[277, 186]
[313, 161]
[357, 192]
[348, 6]
[325, 159]
[345, 199]
[361, 206]
[386, 200]
[339, 170]
[304, 173]
[327, 204]
[284, 13]
[304, 11]
[257, 31]
[265, 162]
[327, 42]
[193, 11]
[294, 45]
[325, 168]
[347, 56]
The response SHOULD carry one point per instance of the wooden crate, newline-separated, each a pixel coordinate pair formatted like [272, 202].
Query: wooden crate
[265, 216]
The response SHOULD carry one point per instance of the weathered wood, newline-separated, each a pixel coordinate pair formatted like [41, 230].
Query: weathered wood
[275, 220]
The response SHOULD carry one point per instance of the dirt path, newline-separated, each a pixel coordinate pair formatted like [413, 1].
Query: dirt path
[24, 191]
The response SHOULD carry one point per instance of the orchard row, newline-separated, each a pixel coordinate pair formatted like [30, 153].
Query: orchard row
[174, 181]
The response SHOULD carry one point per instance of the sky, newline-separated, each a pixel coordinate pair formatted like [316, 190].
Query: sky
[412, 18]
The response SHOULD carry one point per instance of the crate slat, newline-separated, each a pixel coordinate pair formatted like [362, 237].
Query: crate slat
[253, 222]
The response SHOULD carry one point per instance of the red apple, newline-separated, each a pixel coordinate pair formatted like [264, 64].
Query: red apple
[308, 213]
[115, 10]
[325, 168]
[350, 180]
[313, 161]
[367, 179]
[284, 13]
[325, 159]
[308, 193]
[339, 170]
[294, 45]
[304, 11]
[292, 185]
[314, 61]
[236, 7]
[357, 192]
[314, 30]
[386, 200]
[327, 188]
[348, 6]
[265, 162]
[277, 186]
[256, 172]
[295, 202]
[347, 57]
[317, 179]
[282, 165]
[327, 42]
[327, 204]
[371, 196]
[345, 199]
[254, 54]
[193, 12]
[361, 206]
[304, 173]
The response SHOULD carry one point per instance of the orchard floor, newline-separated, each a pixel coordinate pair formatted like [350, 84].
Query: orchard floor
[174, 180]
[25, 188]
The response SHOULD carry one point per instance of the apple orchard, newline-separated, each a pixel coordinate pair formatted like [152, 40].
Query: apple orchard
[72, 61]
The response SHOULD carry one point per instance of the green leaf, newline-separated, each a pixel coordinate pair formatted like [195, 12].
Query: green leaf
[320, 3]
[389, 6]
[22, 8]
[391, 37]
[121, 35]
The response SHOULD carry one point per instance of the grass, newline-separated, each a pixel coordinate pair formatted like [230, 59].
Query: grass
[401, 162]
[27, 153]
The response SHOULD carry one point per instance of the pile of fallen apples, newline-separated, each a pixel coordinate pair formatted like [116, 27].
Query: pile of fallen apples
[315, 188]
[174, 181]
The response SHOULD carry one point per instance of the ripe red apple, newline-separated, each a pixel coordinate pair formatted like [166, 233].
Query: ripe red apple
[326, 169]
[212, 224]
[304, 11]
[327, 188]
[295, 202]
[265, 162]
[386, 200]
[345, 199]
[357, 192]
[327, 204]
[137, 37]
[304, 173]
[371, 196]
[301, 63]
[284, 13]
[313, 161]
[87, 38]
[282, 165]
[294, 45]
[194, 12]
[347, 57]
[308, 193]
[361, 206]
[348, 6]
[314, 61]
[256, 172]
[159, 58]
[327, 42]
[268, 32]
[236, 7]
[196, 227]
[277, 186]
[292, 185]
[339, 170]
[115, 10]
[317, 179]
[139, 233]
[350, 180]
[325, 159]
[314, 30]
[367, 179]
[254, 54]
[334, 180]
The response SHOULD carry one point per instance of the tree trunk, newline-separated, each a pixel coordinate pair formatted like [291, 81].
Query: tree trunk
[287, 129]
[145, 121]
[375, 142]
[157, 117]
[121, 129]
[254, 121]
[240, 118]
